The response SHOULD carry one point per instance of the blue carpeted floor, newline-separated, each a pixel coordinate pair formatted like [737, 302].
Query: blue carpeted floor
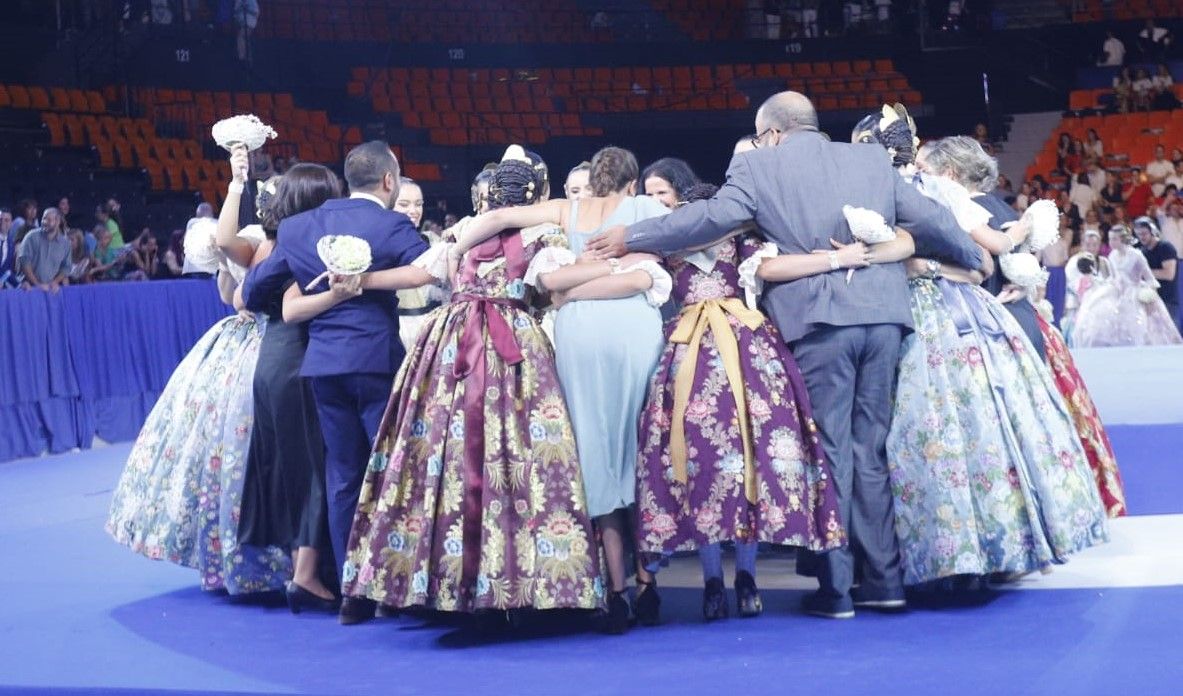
[83, 615]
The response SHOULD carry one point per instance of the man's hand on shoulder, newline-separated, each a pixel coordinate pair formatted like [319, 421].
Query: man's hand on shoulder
[609, 244]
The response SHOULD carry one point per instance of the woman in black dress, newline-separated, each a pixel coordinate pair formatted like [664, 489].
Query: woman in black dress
[283, 495]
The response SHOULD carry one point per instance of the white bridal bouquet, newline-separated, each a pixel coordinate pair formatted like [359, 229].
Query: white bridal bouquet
[343, 255]
[868, 227]
[1044, 219]
[1022, 269]
[245, 130]
[200, 244]
[1146, 294]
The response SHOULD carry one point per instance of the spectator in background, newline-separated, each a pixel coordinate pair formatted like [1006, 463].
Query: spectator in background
[1176, 177]
[262, 168]
[1168, 194]
[1163, 261]
[1074, 162]
[982, 135]
[1143, 87]
[103, 214]
[1123, 90]
[7, 252]
[80, 260]
[1081, 193]
[1119, 218]
[1063, 150]
[1112, 51]
[577, 182]
[1068, 208]
[1096, 174]
[45, 254]
[1112, 194]
[143, 261]
[246, 16]
[204, 211]
[25, 220]
[174, 256]
[1024, 198]
[449, 220]
[1092, 222]
[1138, 195]
[1094, 146]
[1154, 42]
[1170, 224]
[1162, 93]
[1158, 169]
[64, 210]
[108, 262]
[1004, 189]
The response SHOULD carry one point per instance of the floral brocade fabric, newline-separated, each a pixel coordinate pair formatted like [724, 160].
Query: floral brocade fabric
[1088, 421]
[180, 495]
[987, 472]
[535, 545]
[795, 500]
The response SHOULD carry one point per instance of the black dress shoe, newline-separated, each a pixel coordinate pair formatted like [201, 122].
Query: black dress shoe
[647, 603]
[300, 599]
[714, 600]
[355, 610]
[385, 611]
[879, 600]
[747, 597]
[616, 621]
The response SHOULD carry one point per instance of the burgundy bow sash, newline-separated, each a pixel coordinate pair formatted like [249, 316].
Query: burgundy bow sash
[471, 365]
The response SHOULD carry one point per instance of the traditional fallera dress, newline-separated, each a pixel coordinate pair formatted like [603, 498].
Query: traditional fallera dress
[1088, 421]
[987, 470]
[606, 352]
[179, 496]
[1126, 311]
[729, 448]
[473, 498]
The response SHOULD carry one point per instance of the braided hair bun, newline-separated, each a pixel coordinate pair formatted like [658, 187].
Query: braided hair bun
[521, 178]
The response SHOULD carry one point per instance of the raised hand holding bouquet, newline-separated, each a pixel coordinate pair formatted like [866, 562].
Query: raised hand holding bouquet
[343, 255]
[868, 227]
[1042, 220]
[242, 131]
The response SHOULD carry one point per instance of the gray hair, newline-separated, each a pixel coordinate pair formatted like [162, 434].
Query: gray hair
[788, 110]
[962, 159]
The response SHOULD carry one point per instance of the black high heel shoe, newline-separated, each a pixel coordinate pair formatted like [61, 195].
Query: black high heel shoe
[647, 603]
[616, 620]
[747, 597]
[714, 601]
[300, 599]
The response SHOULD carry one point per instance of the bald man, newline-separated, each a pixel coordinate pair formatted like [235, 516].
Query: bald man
[845, 335]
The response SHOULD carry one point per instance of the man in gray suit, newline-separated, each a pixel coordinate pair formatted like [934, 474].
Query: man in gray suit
[845, 336]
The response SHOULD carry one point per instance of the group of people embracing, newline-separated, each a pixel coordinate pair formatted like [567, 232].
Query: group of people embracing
[877, 405]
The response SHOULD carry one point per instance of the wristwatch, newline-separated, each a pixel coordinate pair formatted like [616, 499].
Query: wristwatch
[934, 268]
[833, 256]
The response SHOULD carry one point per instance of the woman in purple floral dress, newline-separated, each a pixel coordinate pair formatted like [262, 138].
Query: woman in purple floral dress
[729, 449]
[473, 499]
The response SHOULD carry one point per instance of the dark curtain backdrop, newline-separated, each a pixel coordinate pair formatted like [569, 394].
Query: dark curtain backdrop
[90, 361]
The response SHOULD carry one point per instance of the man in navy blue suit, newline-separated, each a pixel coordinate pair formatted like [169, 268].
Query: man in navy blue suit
[353, 348]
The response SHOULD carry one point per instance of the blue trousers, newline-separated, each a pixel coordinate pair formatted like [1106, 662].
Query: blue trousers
[350, 408]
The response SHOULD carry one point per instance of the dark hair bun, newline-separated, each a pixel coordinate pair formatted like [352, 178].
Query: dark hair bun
[701, 191]
[514, 183]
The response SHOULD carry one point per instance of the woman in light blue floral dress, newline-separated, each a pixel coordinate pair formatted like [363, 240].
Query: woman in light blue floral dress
[988, 474]
[180, 495]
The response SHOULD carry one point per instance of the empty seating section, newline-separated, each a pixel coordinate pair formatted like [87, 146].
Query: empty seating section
[706, 20]
[1129, 139]
[1120, 10]
[52, 99]
[453, 22]
[500, 105]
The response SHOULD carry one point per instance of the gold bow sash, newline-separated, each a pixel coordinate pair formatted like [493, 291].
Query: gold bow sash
[692, 326]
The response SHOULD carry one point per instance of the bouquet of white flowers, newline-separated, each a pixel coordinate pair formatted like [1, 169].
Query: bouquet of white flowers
[245, 130]
[1044, 220]
[867, 226]
[1146, 294]
[1022, 269]
[201, 248]
[343, 255]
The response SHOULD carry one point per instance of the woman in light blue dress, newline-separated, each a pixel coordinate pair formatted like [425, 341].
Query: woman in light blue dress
[608, 339]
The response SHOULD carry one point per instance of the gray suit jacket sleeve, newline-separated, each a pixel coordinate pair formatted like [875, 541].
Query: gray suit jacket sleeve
[701, 222]
[933, 228]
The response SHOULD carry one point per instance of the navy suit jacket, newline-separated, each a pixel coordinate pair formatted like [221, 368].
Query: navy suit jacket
[359, 335]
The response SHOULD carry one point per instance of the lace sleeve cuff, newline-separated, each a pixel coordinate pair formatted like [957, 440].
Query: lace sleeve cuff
[748, 280]
[547, 260]
[659, 292]
[435, 261]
